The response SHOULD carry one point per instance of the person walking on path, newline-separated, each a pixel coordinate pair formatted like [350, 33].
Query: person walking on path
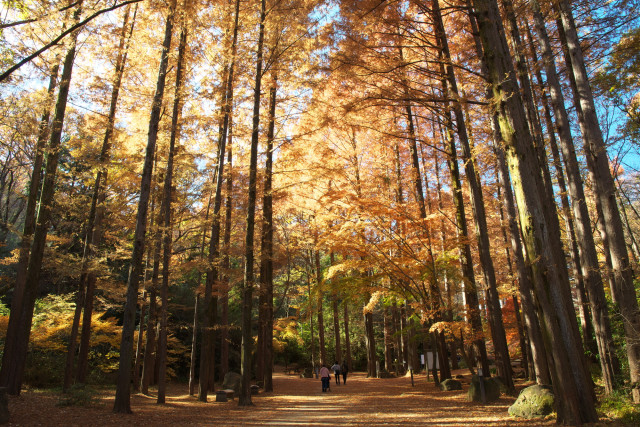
[336, 371]
[325, 377]
[345, 370]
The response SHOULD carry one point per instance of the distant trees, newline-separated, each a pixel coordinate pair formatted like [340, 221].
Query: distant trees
[393, 159]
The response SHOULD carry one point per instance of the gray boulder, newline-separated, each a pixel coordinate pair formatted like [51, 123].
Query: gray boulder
[232, 381]
[533, 402]
[491, 389]
[450, 384]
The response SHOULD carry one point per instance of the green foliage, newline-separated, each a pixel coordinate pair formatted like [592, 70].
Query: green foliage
[619, 406]
[4, 310]
[78, 395]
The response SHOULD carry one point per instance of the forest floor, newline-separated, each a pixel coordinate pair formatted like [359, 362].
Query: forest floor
[295, 401]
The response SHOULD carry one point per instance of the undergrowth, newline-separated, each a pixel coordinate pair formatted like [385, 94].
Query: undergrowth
[78, 395]
[619, 406]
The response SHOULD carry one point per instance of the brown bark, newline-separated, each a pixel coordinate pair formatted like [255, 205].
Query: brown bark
[226, 264]
[122, 403]
[207, 353]
[347, 339]
[137, 365]
[477, 202]
[84, 299]
[194, 344]
[572, 385]
[166, 212]
[388, 362]
[369, 338]
[248, 283]
[15, 351]
[266, 262]
[605, 192]
[320, 298]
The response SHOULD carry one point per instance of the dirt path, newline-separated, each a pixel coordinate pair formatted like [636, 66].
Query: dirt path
[296, 401]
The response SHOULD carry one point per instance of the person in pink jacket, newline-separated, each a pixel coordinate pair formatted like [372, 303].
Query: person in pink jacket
[325, 377]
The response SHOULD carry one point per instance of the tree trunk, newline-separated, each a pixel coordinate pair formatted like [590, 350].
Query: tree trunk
[207, 353]
[477, 202]
[314, 359]
[226, 264]
[266, 262]
[137, 365]
[321, 343]
[122, 403]
[605, 191]
[388, 337]
[397, 334]
[98, 196]
[194, 345]
[370, 341]
[28, 230]
[248, 283]
[572, 385]
[15, 351]
[347, 339]
[166, 213]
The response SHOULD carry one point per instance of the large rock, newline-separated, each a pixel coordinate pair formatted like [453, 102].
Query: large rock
[533, 402]
[450, 384]
[491, 389]
[232, 381]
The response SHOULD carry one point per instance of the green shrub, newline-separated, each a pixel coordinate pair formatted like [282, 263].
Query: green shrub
[78, 395]
[619, 406]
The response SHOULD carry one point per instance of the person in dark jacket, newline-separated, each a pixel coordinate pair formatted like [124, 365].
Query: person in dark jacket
[336, 371]
[344, 370]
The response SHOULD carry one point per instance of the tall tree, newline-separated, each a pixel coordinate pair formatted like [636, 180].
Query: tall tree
[122, 403]
[15, 351]
[570, 379]
[248, 282]
[166, 210]
[623, 291]
[96, 214]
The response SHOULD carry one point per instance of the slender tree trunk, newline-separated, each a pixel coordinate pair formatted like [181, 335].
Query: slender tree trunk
[226, 264]
[314, 359]
[28, 230]
[194, 345]
[137, 365]
[404, 336]
[15, 351]
[207, 354]
[321, 343]
[516, 305]
[347, 339]
[369, 338]
[122, 403]
[605, 191]
[248, 284]
[166, 212]
[266, 265]
[396, 335]
[336, 327]
[388, 362]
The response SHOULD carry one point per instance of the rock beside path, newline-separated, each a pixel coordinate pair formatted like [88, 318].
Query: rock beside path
[450, 384]
[491, 389]
[232, 381]
[533, 402]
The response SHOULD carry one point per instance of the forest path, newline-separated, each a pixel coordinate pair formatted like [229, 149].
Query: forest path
[296, 401]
